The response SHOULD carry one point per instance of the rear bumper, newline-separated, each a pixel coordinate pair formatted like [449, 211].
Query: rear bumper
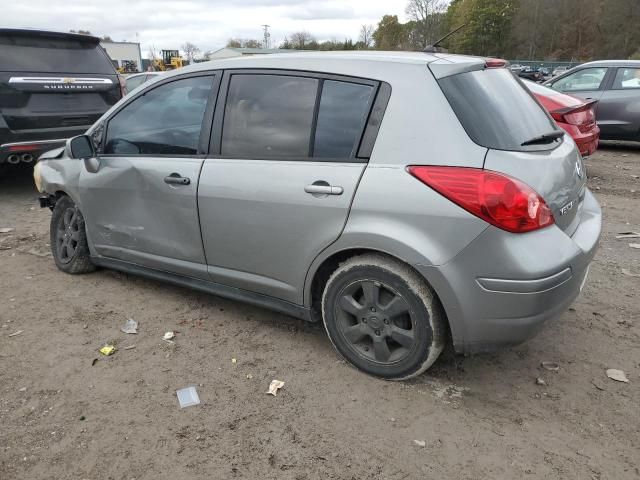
[587, 143]
[35, 142]
[501, 289]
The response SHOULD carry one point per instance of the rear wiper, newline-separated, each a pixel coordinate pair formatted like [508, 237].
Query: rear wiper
[544, 138]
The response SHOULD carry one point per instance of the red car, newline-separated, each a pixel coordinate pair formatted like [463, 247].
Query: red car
[572, 114]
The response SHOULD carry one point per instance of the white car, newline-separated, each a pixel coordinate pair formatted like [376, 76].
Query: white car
[134, 81]
[559, 70]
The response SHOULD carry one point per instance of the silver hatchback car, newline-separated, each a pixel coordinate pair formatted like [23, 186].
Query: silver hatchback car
[401, 198]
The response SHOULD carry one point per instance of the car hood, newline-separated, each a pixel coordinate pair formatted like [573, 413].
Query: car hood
[55, 153]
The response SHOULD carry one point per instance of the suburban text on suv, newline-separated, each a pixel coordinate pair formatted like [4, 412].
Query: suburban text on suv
[53, 86]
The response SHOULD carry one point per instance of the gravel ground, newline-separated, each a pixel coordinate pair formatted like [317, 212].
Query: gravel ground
[63, 416]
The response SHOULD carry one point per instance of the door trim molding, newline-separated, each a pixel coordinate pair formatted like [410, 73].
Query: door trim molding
[205, 286]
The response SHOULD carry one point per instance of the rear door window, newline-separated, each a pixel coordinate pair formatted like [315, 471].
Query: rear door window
[496, 110]
[166, 120]
[582, 80]
[42, 54]
[627, 78]
[270, 116]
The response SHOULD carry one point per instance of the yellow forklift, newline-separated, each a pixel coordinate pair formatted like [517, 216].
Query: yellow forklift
[128, 66]
[170, 60]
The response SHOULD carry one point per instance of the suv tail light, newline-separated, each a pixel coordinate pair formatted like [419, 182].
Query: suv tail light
[123, 85]
[580, 116]
[496, 198]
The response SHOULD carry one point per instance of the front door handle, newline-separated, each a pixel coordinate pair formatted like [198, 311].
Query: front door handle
[176, 179]
[323, 188]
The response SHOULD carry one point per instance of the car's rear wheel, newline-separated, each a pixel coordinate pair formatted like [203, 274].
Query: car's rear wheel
[383, 317]
[69, 239]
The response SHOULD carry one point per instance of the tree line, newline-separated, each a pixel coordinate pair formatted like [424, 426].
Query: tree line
[564, 30]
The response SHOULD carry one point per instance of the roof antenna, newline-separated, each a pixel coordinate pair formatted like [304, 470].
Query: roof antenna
[436, 48]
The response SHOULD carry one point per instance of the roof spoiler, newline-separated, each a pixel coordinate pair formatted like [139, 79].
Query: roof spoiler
[48, 34]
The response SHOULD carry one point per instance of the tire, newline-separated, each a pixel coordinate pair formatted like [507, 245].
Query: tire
[372, 301]
[68, 238]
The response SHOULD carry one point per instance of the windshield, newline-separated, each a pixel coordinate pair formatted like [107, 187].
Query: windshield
[52, 55]
[497, 111]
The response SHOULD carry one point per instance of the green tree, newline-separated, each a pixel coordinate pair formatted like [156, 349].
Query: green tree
[390, 34]
[303, 40]
[252, 43]
[243, 43]
[488, 26]
[427, 22]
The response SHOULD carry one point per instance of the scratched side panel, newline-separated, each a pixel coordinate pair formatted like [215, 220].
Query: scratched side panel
[133, 215]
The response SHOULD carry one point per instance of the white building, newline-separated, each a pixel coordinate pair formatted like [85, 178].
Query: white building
[122, 52]
[229, 52]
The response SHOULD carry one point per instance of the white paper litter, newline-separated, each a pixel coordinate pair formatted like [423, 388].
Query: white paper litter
[617, 375]
[187, 397]
[275, 386]
[169, 336]
[622, 235]
[130, 327]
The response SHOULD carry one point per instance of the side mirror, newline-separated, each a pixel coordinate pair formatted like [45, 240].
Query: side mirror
[80, 147]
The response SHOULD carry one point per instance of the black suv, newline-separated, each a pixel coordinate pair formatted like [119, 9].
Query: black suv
[52, 86]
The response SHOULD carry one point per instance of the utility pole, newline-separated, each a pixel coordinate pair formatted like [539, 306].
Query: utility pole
[267, 36]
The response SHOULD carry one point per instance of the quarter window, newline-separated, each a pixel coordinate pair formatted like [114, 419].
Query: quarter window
[163, 121]
[627, 78]
[585, 79]
[341, 118]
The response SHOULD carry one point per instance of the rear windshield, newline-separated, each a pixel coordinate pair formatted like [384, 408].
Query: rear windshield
[52, 55]
[496, 110]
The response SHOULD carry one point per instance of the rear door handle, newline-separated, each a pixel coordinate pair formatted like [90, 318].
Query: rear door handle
[176, 179]
[322, 189]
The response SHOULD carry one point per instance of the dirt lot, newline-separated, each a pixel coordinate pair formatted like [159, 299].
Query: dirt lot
[480, 417]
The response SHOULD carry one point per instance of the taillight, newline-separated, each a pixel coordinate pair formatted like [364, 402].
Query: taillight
[496, 198]
[580, 115]
[495, 63]
[22, 148]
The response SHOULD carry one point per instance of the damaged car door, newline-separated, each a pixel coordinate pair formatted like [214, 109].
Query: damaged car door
[141, 204]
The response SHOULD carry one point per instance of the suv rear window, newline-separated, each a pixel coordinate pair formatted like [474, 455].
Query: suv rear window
[496, 110]
[43, 54]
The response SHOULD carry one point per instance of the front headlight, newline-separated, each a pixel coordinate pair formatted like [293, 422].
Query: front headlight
[37, 177]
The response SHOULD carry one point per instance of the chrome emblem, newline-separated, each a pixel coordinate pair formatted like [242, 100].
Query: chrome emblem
[578, 168]
[566, 209]
[68, 80]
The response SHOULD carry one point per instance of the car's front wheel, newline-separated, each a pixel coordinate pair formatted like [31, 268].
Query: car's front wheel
[383, 317]
[69, 239]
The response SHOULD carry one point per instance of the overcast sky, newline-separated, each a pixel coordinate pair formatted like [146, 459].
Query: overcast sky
[207, 23]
